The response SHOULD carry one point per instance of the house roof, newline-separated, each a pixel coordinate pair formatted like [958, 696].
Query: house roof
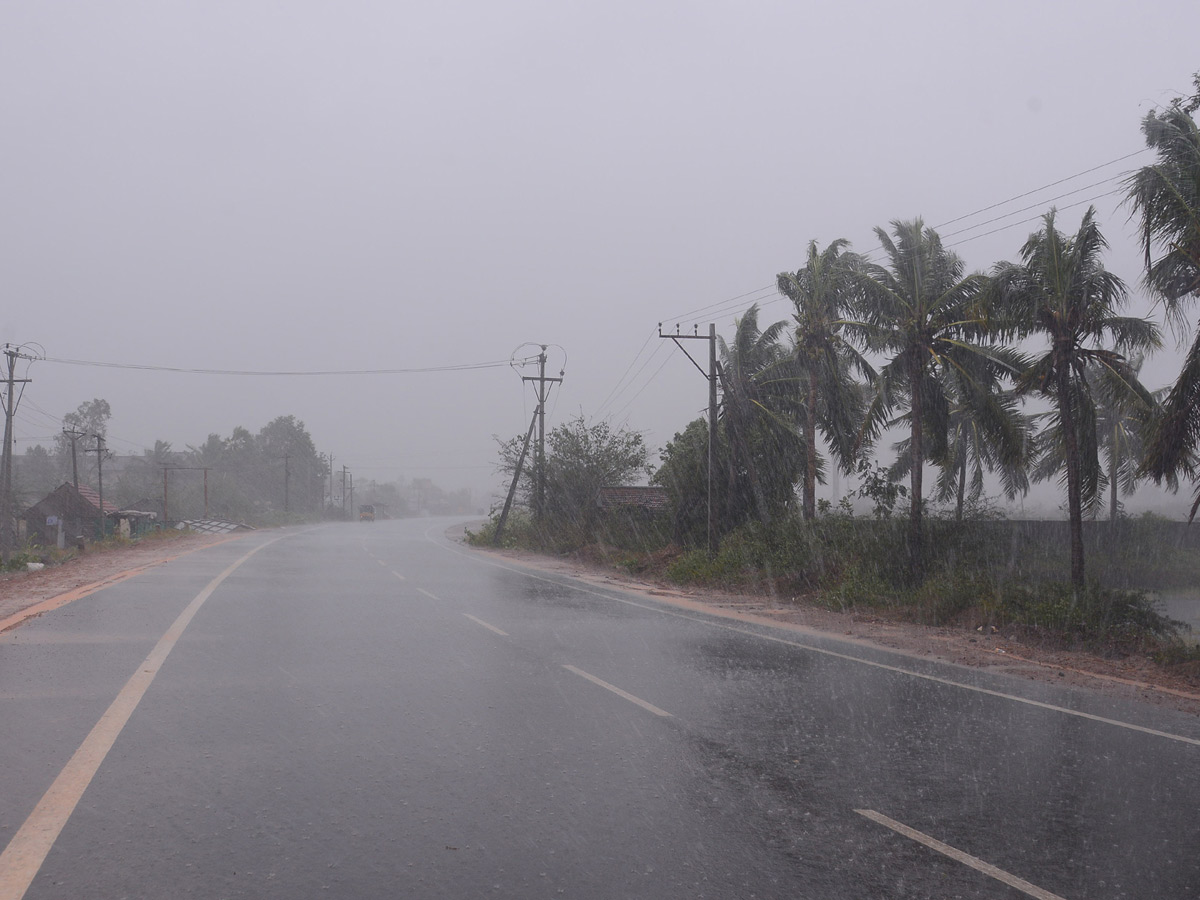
[633, 497]
[64, 500]
[93, 498]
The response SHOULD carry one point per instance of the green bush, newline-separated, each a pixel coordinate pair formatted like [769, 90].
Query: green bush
[1095, 616]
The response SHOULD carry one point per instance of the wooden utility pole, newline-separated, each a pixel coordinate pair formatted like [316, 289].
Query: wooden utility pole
[512, 488]
[8, 532]
[343, 492]
[73, 436]
[287, 474]
[539, 496]
[711, 375]
[331, 479]
[100, 450]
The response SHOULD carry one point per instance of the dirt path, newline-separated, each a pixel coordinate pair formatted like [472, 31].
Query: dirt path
[26, 594]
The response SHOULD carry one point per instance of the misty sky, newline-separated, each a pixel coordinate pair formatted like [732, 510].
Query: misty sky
[329, 186]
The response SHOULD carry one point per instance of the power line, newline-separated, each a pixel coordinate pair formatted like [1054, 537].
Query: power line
[732, 304]
[1047, 186]
[491, 364]
[1034, 218]
[624, 374]
[649, 381]
[634, 378]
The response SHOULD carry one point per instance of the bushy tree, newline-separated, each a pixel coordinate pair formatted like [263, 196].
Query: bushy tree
[581, 458]
[683, 473]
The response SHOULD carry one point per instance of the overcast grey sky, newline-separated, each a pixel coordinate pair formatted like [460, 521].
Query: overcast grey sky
[355, 185]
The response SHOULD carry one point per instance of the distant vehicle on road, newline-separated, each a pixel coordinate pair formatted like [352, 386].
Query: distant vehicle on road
[366, 513]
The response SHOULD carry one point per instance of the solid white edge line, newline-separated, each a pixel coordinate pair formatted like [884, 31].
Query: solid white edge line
[959, 856]
[650, 707]
[25, 853]
[485, 625]
[846, 656]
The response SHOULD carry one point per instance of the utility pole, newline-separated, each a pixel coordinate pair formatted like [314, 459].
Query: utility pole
[287, 474]
[711, 375]
[512, 488]
[166, 469]
[539, 502]
[100, 451]
[8, 533]
[73, 435]
[331, 479]
[352, 495]
[343, 492]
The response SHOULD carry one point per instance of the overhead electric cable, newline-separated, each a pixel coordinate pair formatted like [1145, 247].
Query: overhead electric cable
[624, 374]
[732, 304]
[1046, 187]
[629, 384]
[1033, 218]
[492, 364]
[649, 381]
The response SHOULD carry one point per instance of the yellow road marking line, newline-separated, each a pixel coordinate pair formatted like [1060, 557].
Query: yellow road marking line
[25, 853]
[959, 856]
[616, 690]
[485, 624]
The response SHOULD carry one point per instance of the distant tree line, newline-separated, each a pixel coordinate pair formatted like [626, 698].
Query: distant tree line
[271, 476]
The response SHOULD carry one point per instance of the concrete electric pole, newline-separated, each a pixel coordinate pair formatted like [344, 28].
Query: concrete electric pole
[711, 375]
[8, 521]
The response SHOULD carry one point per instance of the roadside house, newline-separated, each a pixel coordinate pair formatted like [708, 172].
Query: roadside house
[633, 517]
[77, 510]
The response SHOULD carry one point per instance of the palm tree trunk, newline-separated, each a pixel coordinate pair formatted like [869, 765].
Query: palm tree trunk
[1113, 462]
[915, 549]
[1074, 503]
[810, 445]
[962, 483]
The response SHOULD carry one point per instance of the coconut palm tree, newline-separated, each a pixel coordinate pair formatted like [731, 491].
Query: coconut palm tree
[920, 310]
[757, 409]
[825, 359]
[1061, 290]
[1167, 196]
[987, 432]
[1123, 419]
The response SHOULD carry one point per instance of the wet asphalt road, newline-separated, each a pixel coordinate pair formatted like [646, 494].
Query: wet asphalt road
[366, 710]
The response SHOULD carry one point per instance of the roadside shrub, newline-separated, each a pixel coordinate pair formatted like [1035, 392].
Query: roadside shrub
[518, 532]
[18, 561]
[1098, 617]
